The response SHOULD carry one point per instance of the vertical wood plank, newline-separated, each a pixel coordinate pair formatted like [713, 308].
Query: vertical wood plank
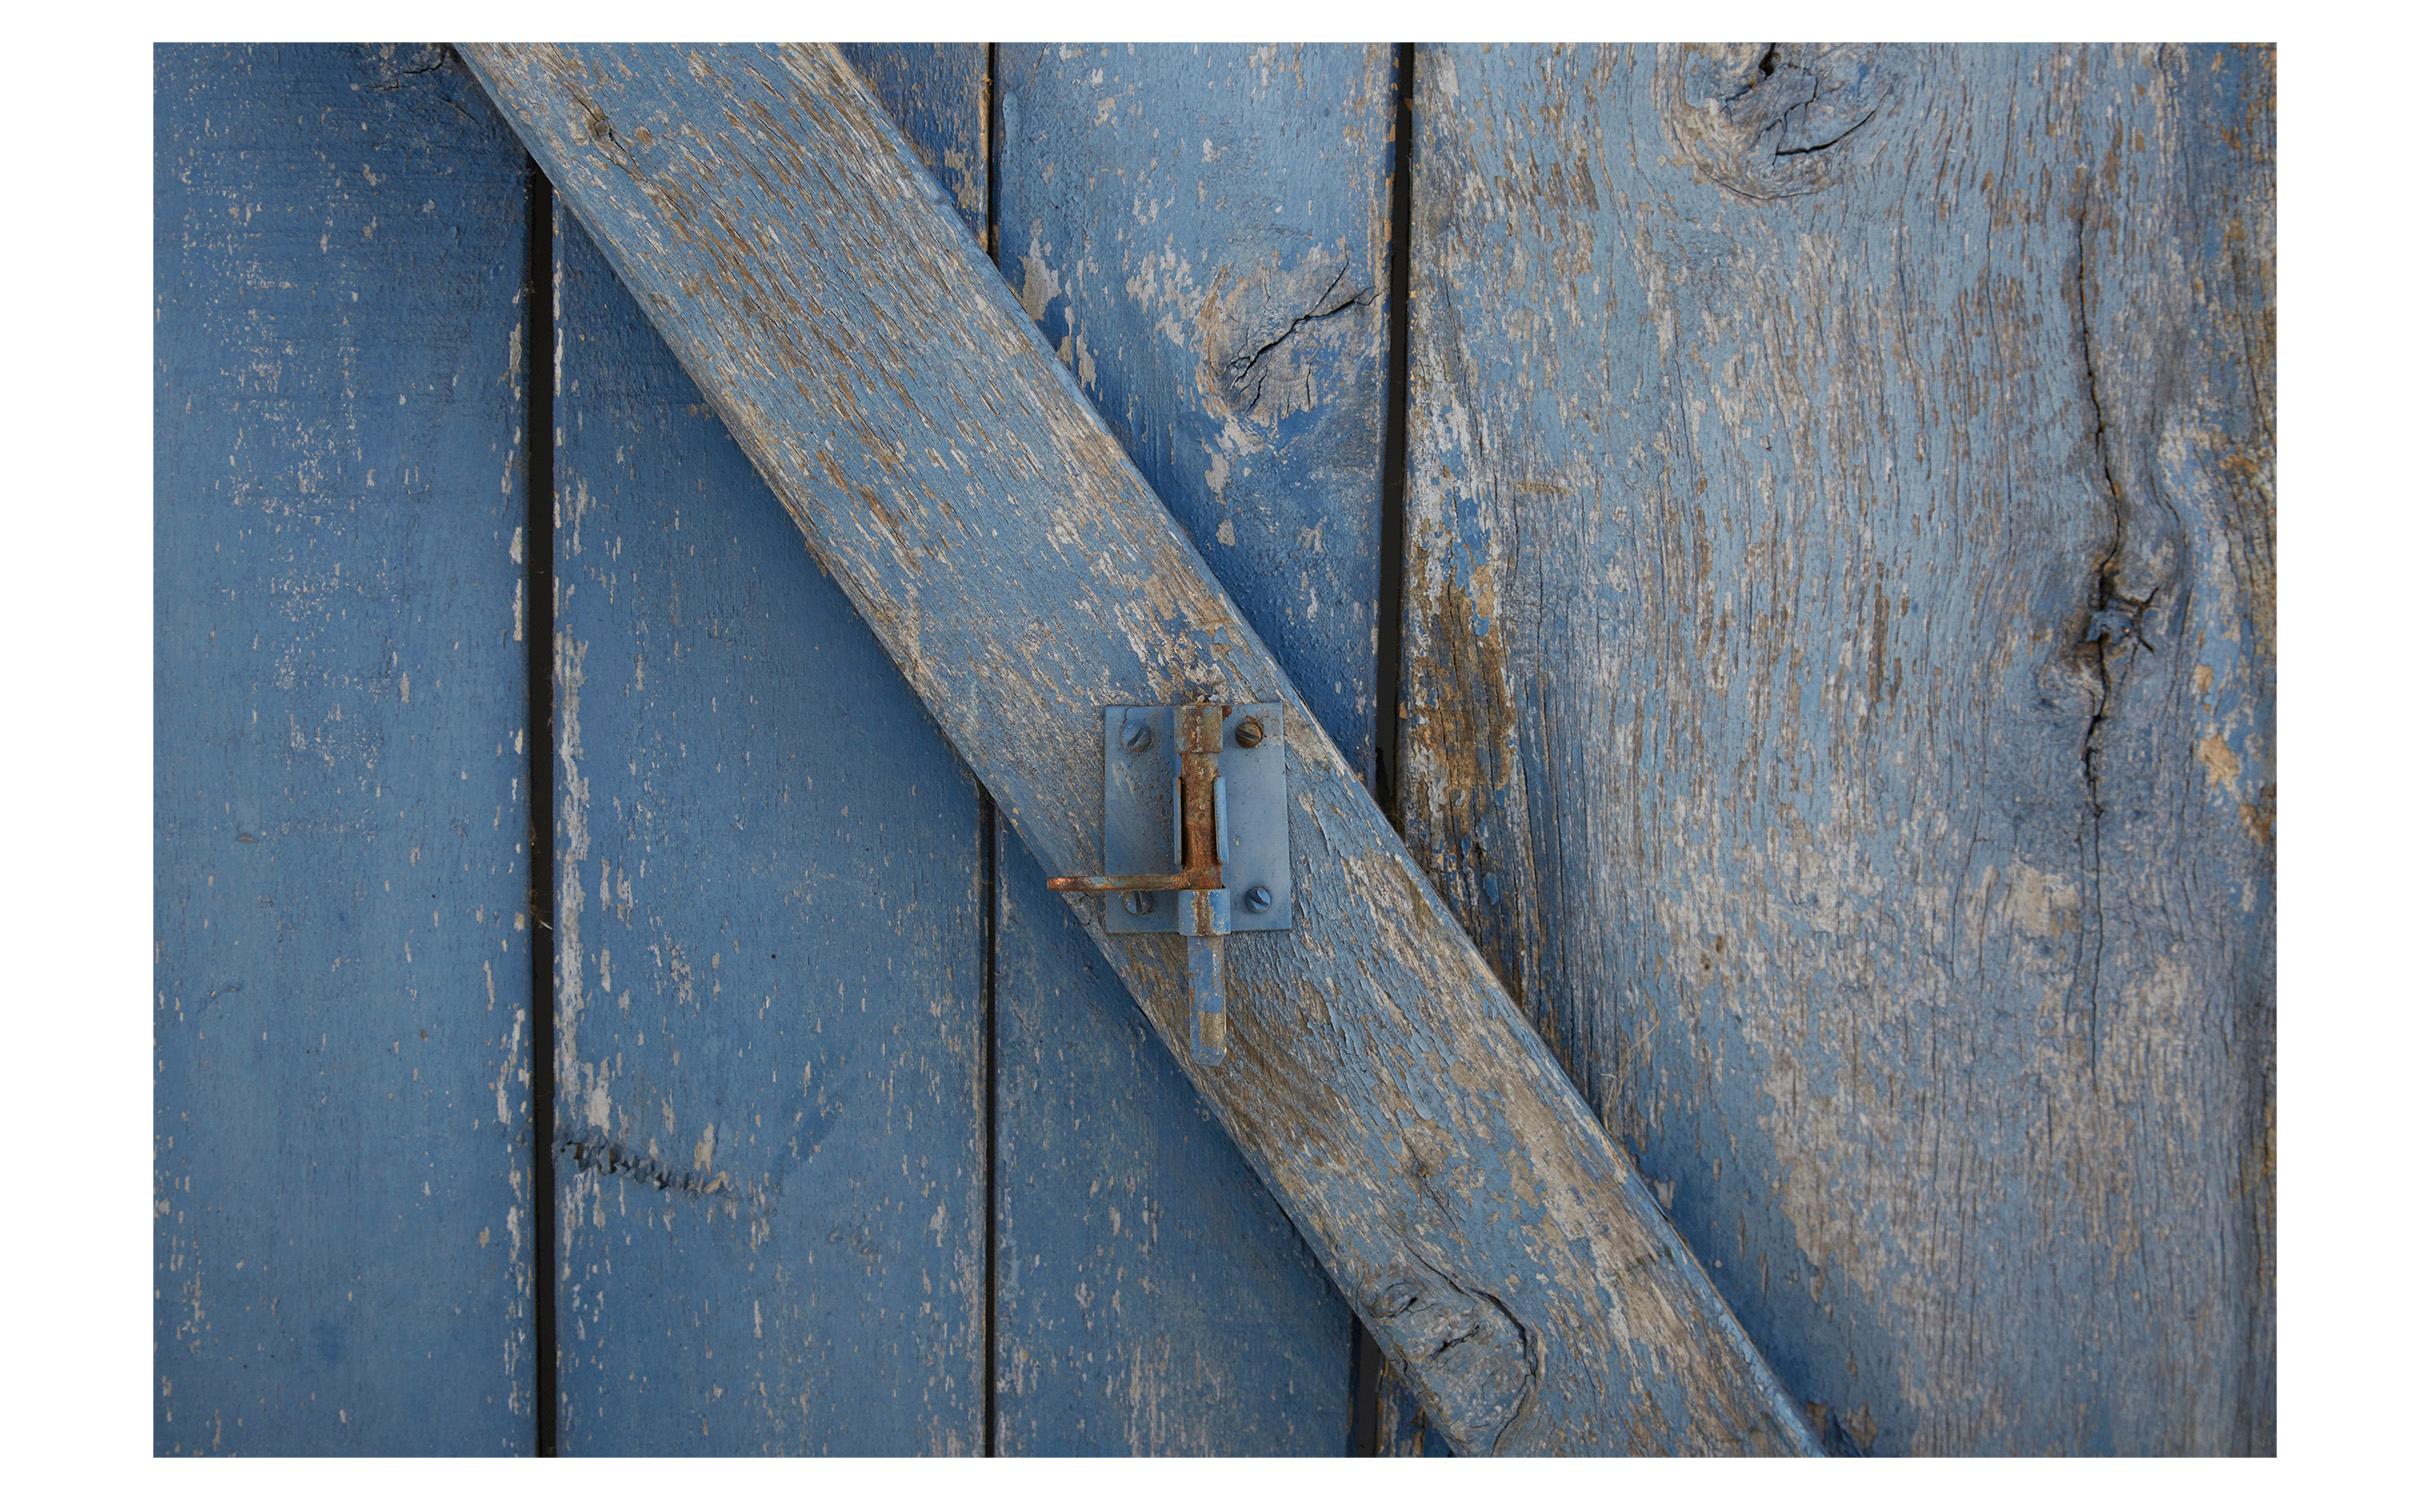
[770, 997]
[1202, 234]
[341, 1102]
[1840, 679]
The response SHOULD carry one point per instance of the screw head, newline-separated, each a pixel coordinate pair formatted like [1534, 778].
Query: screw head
[1139, 903]
[1135, 739]
[1250, 734]
[1257, 898]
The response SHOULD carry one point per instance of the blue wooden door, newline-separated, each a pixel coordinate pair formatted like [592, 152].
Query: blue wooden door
[847, 1146]
[1818, 637]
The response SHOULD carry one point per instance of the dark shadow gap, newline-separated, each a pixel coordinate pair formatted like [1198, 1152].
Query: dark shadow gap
[539, 637]
[1367, 1359]
[1394, 541]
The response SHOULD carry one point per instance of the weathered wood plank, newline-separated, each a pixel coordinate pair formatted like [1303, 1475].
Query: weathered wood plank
[770, 1005]
[936, 94]
[1201, 234]
[1840, 690]
[341, 1104]
[954, 480]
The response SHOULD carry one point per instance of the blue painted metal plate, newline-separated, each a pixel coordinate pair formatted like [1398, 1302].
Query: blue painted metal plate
[1140, 827]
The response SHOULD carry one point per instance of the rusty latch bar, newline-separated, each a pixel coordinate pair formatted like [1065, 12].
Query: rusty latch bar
[1197, 839]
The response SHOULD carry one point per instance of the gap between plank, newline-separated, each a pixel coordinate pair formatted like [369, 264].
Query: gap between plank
[539, 638]
[1367, 1360]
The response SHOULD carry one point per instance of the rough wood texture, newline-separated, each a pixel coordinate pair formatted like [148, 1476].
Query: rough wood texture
[770, 1026]
[936, 93]
[954, 480]
[770, 1032]
[770, 1023]
[341, 1102]
[1201, 234]
[1840, 671]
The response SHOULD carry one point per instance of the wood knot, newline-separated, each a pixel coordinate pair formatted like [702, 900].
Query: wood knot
[392, 65]
[1774, 119]
[601, 132]
[1462, 1348]
[1271, 334]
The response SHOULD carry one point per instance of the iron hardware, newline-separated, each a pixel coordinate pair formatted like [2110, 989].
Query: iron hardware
[1198, 815]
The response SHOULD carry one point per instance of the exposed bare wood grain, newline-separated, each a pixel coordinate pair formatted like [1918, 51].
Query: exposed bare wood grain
[1841, 690]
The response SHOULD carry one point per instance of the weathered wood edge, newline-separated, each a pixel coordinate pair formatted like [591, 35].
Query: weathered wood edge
[774, 226]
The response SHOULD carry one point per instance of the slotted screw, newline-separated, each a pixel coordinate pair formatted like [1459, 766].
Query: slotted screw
[1257, 898]
[1139, 903]
[1137, 738]
[1250, 734]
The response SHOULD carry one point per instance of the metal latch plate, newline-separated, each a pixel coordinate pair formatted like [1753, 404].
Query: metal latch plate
[1139, 814]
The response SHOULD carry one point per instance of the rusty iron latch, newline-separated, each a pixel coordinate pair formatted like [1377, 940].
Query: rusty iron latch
[1197, 839]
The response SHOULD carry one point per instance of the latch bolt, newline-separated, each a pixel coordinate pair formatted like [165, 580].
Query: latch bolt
[1209, 808]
